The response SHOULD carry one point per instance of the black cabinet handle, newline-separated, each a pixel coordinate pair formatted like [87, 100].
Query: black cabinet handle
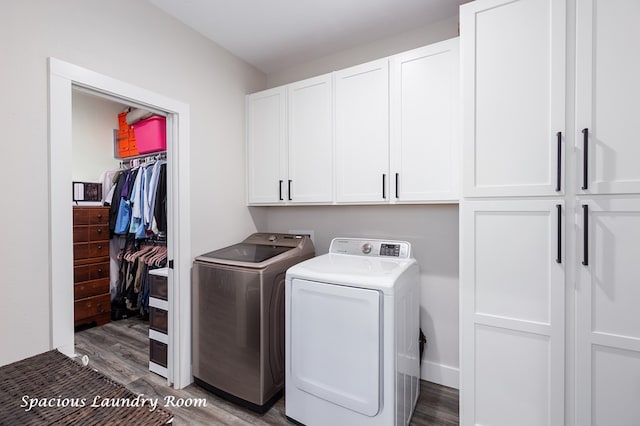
[585, 234]
[384, 182]
[585, 159]
[559, 253]
[397, 178]
[559, 168]
[280, 191]
[289, 190]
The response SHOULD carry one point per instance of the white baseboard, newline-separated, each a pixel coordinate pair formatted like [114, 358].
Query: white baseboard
[440, 374]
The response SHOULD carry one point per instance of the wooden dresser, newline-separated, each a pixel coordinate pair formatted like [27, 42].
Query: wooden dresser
[92, 299]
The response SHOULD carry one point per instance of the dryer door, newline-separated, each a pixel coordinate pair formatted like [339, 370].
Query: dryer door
[336, 344]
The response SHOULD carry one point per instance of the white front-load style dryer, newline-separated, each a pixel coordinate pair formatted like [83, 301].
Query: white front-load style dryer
[352, 335]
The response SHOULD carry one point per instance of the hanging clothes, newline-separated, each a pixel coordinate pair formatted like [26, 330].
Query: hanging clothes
[132, 297]
[136, 199]
[119, 214]
[149, 205]
[137, 220]
[160, 207]
[108, 179]
[133, 207]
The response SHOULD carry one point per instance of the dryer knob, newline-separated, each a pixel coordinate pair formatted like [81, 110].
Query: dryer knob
[366, 248]
[272, 238]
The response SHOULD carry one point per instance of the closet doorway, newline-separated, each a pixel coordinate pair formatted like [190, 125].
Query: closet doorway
[64, 78]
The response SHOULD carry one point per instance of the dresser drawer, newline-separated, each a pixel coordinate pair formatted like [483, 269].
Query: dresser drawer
[89, 250]
[91, 215]
[158, 352]
[90, 272]
[91, 288]
[83, 234]
[91, 306]
[158, 287]
[158, 320]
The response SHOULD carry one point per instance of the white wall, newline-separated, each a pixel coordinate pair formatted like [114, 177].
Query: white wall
[437, 31]
[432, 230]
[433, 233]
[137, 43]
[94, 120]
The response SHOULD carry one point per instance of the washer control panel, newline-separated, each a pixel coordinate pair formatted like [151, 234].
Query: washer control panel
[387, 249]
[375, 248]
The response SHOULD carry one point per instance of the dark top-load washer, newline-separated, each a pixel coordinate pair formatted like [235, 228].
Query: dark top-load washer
[238, 317]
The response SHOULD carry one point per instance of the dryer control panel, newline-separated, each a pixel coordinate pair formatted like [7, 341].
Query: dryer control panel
[375, 248]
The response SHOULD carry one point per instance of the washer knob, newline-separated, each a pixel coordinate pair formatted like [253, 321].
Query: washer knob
[366, 248]
[272, 238]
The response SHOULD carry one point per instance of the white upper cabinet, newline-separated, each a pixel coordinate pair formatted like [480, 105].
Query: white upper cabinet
[310, 115]
[362, 133]
[290, 144]
[382, 132]
[607, 93]
[266, 146]
[424, 88]
[513, 83]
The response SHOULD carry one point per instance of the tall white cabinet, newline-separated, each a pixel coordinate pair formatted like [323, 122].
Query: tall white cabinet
[548, 271]
[513, 62]
[512, 313]
[607, 213]
[608, 319]
[607, 94]
[512, 250]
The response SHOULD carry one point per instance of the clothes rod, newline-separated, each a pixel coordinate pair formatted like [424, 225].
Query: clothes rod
[136, 160]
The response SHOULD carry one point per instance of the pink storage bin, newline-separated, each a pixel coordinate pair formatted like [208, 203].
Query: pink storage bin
[151, 134]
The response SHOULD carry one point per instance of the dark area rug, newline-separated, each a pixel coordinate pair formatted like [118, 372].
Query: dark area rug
[52, 389]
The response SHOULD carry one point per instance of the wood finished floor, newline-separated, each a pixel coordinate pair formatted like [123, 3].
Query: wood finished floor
[120, 351]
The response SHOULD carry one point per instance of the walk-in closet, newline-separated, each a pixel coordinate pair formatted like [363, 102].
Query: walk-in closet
[120, 255]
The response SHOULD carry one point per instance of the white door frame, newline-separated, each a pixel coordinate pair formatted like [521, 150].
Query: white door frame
[63, 77]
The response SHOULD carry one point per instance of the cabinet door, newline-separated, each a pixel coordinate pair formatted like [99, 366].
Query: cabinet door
[607, 94]
[362, 133]
[424, 118]
[512, 312]
[266, 146]
[310, 141]
[513, 85]
[608, 320]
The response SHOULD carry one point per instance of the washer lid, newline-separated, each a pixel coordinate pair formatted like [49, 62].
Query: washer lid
[260, 250]
[245, 252]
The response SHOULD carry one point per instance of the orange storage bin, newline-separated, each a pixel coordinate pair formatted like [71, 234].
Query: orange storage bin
[122, 121]
[127, 146]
